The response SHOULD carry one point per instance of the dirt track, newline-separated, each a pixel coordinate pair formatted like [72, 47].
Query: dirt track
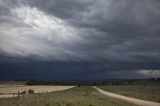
[128, 99]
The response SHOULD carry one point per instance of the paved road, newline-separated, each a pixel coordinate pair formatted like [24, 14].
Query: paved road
[128, 99]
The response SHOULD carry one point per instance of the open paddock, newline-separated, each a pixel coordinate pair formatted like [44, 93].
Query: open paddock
[13, 90]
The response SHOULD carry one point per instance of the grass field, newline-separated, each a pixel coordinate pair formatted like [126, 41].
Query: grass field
[145, 93]
[78, 96]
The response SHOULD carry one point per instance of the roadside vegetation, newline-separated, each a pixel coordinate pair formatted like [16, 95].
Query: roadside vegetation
[78, 96]
[145, 90]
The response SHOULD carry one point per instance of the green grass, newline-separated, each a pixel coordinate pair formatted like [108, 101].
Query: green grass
[140, 92]
[78, 96]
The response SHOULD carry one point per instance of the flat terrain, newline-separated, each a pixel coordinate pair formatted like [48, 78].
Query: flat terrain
[77, 96]
[128, 99]
[140, 92]
[37, 89]
[7, 90]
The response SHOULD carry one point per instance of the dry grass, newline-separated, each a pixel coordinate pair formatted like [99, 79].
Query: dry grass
[78, 96]
[140, 92]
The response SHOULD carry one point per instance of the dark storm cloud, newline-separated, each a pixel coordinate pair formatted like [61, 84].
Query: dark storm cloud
[116, 34]
[125, 27]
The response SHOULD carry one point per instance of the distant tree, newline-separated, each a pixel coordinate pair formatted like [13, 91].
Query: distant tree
[30, 91]
[79, 85]
[23, 92]
[153, 79]
[29, 83]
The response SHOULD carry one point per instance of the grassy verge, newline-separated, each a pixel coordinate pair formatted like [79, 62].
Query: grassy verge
[78, 96]
[146, 93]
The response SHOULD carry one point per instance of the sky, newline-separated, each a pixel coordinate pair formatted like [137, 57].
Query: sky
[79, 39]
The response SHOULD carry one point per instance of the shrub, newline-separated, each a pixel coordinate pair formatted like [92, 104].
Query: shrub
[23, 92]
[69, 104]
[30, 91]
[79, 85]
[47, 104]
[91, 105]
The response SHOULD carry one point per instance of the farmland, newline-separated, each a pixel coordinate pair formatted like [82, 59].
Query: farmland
[150, 93]
[77, 96]
[7, 90]
[17, 94]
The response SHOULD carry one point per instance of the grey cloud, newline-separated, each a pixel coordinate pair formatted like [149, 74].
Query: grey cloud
[112, 32]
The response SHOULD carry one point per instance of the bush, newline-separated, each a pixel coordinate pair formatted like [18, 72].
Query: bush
[47, 104]
[30, 91]
[91, 105]
[69, 104]
[23, 92]
[79, 85]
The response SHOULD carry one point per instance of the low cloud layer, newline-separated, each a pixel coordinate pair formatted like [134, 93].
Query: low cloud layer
[117, 35]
